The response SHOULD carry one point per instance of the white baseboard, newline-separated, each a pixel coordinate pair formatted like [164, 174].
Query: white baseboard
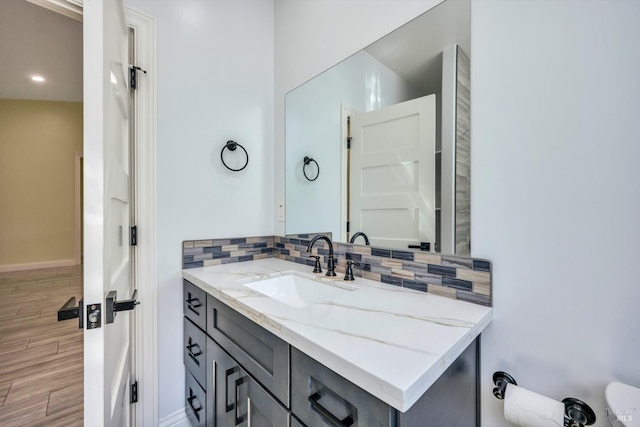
[177, 419]
[38, 265]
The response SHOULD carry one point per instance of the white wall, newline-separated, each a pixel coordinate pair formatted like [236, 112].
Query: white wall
[555, 154]
[215, 82]
[555, 198]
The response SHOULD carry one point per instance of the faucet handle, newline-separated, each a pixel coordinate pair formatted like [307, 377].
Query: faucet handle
[316, 267]
[348, 274]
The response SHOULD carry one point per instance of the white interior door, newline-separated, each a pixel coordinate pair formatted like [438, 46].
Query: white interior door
[107, 265]
[392, 174]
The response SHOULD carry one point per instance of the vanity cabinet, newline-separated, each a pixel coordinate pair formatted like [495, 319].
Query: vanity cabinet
[239, 374]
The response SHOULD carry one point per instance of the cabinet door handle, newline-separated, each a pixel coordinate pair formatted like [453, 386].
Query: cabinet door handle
[242, 418]
[194, 354]
[195, 408]
[324, 412]
[228, 406]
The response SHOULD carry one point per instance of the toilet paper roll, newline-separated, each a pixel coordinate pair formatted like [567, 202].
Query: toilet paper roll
[528, 409]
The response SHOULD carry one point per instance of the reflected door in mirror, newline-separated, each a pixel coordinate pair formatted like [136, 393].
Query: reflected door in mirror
[393, 175]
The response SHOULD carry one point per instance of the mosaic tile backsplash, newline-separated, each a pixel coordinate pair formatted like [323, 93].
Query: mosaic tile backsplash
[462, 278]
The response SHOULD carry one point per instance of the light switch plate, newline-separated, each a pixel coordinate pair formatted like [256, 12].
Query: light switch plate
[280, 214]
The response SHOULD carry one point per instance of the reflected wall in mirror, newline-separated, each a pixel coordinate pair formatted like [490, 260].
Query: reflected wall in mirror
[402, 104]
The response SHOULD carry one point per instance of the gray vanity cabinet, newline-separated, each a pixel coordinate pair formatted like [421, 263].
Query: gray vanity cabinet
[239, 374]
[194, 354]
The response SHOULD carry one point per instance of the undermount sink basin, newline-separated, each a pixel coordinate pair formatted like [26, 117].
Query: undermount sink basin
[297, 289]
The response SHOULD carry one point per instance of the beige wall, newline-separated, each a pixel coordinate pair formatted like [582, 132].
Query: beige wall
[38, 140]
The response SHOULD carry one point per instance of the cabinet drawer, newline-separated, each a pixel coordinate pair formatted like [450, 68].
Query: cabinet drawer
[195, 351]
[195, 304]
[262, 354]
[320, 397]
[195, 401]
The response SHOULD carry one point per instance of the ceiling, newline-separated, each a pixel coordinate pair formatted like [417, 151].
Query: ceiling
[414, 51]
[34, 40]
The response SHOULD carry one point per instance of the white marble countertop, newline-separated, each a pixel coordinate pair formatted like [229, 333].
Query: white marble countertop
[393, 342]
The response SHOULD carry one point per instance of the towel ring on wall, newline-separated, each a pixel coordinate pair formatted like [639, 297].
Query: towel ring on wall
[231, 146]
[308, 160]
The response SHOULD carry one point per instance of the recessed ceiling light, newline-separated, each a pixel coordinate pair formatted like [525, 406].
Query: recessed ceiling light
[38, 79]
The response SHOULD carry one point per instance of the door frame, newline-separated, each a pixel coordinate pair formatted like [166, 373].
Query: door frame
[77, 205]
[146, 169]
[346, 112]
[146, 175]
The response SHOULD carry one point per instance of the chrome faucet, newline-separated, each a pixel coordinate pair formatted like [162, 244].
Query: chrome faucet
[331, 262]
[359, 233]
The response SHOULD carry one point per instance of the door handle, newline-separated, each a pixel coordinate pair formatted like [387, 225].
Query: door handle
[314, 399]
[423, 246]
[113, 306]
[69, 310]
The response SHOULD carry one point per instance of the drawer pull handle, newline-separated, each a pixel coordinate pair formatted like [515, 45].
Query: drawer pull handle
[316, 406]
[193, 354]
[239, 419]
[193, 303]
[192, 397]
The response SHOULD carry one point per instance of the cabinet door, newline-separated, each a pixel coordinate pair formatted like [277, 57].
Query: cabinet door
[256, 407]
[236, 399]
[223, 382]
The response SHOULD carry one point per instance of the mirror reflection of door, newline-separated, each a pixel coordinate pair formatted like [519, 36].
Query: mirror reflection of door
[392, 195]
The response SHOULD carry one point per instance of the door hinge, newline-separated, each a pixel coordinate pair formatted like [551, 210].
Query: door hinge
[133, 395]
[348, 226]
[134, 236]
[348, 142]
[133, 76]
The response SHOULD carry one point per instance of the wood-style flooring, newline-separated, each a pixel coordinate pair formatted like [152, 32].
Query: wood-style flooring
[41, 359]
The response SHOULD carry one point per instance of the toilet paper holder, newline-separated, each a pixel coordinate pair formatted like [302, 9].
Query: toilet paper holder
[576, 412]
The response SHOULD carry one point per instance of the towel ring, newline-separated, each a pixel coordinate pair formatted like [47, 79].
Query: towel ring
[308, 160]
[231, 146]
